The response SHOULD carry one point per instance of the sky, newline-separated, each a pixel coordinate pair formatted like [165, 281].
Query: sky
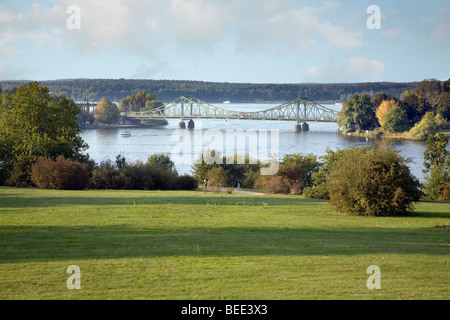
[238, 41]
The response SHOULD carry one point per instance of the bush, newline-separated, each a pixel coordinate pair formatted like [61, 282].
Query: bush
[157, 174]
[186, 182]
[429, 124]
[373, 183]
[446, 192]
[217, 178]
[62, 174]
[274, 184]
[295, 172]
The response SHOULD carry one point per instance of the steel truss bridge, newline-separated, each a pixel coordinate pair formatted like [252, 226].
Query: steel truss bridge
[298, 110]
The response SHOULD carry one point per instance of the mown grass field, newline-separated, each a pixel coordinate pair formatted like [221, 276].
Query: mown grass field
[195, 245]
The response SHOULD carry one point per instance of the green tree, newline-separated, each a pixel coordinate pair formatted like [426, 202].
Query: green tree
[443, 105]
[320, 178]
[436, 154]
[141, 101]
[396, 121]
[107, 112]
[429, 89]
[242, 170]
[34, 124]
[374, 182]
[357, 114]
[437, 166]
[162, 161]
[415, 107]
[294, 174]
[217, 178]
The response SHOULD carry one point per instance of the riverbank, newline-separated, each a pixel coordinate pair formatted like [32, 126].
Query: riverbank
[378, 134]
[151, 124]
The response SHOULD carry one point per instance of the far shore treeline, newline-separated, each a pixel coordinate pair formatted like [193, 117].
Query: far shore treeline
[214, 92]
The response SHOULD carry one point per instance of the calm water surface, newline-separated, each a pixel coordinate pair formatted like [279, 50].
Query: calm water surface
[106, 144]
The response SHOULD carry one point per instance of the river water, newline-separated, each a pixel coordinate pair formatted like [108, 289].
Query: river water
[260, 139]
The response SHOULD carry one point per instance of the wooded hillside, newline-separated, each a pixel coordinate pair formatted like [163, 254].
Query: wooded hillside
[213, 92]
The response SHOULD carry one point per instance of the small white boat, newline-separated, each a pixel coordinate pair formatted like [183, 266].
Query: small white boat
[227, 101]
[125, 134]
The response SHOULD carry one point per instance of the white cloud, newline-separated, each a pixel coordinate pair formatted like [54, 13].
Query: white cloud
[391, 32]
[141, 27]
[441, 33]
[356, 69]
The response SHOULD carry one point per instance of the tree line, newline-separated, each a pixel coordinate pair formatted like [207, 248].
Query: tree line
[417, 113]
[213, 92]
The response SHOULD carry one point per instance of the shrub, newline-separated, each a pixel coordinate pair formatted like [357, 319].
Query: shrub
[446, 192]
[274, 184]
[428, 125]
[157, 174]
[374, 183]
[186, 182]
[217, 178]
[63, 174]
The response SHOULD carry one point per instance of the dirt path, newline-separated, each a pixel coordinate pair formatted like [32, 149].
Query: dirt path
[236, 190]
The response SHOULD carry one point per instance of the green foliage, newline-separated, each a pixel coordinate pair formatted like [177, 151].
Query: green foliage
[157, 174]
[242, 169]
[375, 182]
[320, 178]
[443, 105]
[436, 154]
[169, 90]
[437, 165]
[34, 124]
[396, 121]
[429, 124]
[294, 174]
[107, 112]
[357, 113]
[429, 89]
[217, 178]
[415, 107]
[435, 183]
[61, 174]
[274, 184]
[161, 160]
[141, 101]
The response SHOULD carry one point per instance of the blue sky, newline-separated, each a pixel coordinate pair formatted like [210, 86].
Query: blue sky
[258, 41]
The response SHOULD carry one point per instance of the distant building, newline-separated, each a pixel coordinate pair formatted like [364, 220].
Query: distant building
[87, 106]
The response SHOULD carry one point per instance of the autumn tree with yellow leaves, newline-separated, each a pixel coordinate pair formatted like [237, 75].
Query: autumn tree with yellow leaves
[383, 110]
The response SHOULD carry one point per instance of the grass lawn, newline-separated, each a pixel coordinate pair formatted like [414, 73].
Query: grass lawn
[195, 245]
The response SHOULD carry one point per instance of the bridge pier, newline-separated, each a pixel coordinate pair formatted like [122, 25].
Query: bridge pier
[305, 126]
[191, 124]
[301, 127]
[181, 125]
